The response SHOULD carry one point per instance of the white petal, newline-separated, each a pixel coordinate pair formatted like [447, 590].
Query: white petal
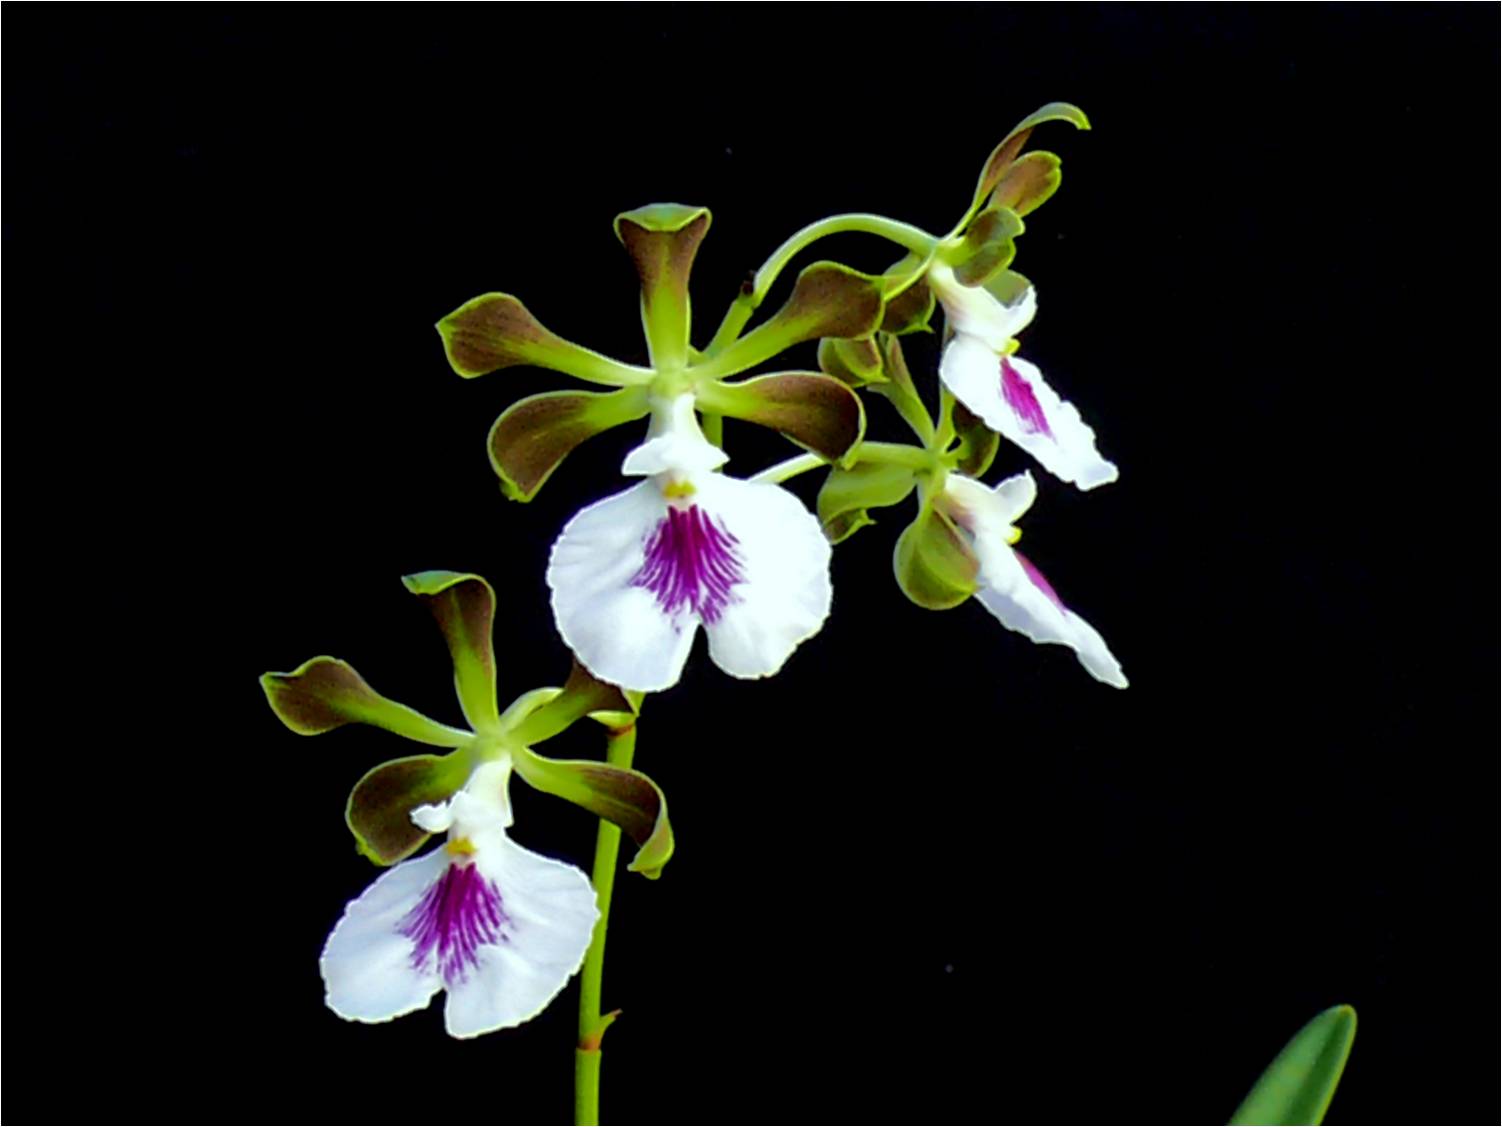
[485, 801]
[436, 818]
[617, 630]
[1026, 410]
[1013, 594]
[675, 444]
[368, 973]
[550, 917]
[974, 311]
[991, 513]
[784, 595]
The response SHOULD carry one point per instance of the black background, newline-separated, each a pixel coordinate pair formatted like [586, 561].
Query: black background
[930, 872]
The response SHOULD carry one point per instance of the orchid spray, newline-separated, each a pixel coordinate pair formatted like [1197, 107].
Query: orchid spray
[682, 545]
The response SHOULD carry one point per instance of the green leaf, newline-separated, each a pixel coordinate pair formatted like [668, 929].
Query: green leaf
[1299, 1084]
[1028, 184]
[495, 331]
[816, 411]
[989, 246]
[1004, 154]
[627, 798]
[978, 443]
[533, 436]
[379, 810]
[847, 495]
[326, 693]
[464, 606]
[556, 709]
[934, 563]
[662, 240]
[828, 300]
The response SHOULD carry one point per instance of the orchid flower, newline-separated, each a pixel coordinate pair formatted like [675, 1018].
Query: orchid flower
[498, 927]
[1008, 584]
[634, 576]
[980, 367]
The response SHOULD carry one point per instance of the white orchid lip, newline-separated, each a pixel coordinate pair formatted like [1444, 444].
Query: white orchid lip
[1007, 392]
[1011, 586]
[635, 575]
[498, 927]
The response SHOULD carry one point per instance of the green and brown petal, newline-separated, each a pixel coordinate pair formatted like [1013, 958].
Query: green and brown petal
[583, 694]
[816, 411]
[1028, 183]
[848, 494]
[662, 240]
[325, 693]
[533, 436]
[625, 797]
[989, 246]
[464, 607]
[935, 565]
[1003, 156]
[978, 443]
[852, 362]
[495, 331]
[379, 810]
[828, 300]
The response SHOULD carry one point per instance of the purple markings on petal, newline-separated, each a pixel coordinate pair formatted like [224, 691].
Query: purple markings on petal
[1039, 581]
[459, 913]
[1020, 398]
[692, 562]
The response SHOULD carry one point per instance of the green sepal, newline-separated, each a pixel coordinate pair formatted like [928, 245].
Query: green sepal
[1299, 1084]
[325, 693]
[978, 443]
[989, 246]
[1004, 154]
[1028, 184]
[662, 240]
[379, 810]
[934, 563]
[818, 412]
[626, 797]
[495, 331]
[583, 694]
[847, 495]
[533, 436]
[1007, 286]
[852, 362]
[828, 300]
[464, 607]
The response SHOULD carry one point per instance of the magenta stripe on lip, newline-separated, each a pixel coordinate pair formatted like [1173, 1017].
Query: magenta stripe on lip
[456, 916]
[691, 561]
[1039, 581]
[1020, 398]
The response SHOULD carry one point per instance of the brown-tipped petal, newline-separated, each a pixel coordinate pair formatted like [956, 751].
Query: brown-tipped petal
[989, 245]
[1032, 178]
[662, 240]
[910, 310]
[533, 436]
[627, 798]
[379, 810]
[326, 693]
[464, 607]
[495, 331]
[814, 410]
[1005, 154]
[828, 300]
[935, 565]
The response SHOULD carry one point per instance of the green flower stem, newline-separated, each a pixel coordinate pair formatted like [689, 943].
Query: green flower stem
[619, 752]
[791, 468]
[903, 234]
